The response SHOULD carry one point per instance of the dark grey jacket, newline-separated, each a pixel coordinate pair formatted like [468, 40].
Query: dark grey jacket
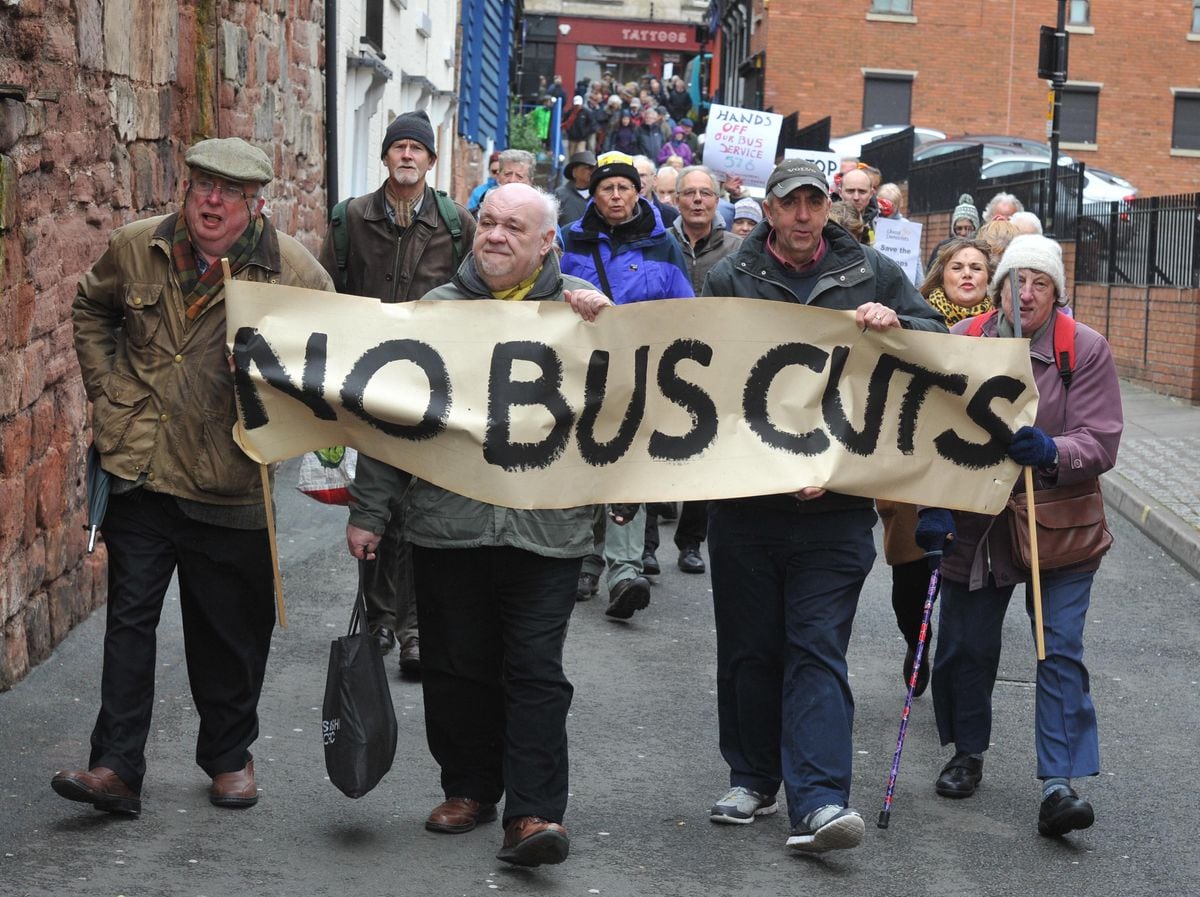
[437, 518]
[702, 257]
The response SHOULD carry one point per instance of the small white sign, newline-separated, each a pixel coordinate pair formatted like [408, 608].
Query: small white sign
[742, 142]
[828, 161]
[900, 240]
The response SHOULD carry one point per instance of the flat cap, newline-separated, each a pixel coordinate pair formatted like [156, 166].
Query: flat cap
[232, 158]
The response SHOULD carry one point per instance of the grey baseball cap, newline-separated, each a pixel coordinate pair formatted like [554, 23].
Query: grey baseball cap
[792, 173]
[231, 158]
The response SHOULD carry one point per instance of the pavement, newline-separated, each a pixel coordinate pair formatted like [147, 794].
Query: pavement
[1156, 483]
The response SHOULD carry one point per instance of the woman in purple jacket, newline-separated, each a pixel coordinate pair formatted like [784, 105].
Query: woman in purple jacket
[1074, 439]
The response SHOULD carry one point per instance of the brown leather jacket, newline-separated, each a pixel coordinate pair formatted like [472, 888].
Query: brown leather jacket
[162, 392]
[394, 265]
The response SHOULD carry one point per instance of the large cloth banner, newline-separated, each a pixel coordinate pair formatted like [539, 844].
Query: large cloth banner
[524, 404]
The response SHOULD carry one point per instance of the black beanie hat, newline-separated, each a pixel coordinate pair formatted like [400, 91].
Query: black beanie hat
[410, 126]
[614, 165]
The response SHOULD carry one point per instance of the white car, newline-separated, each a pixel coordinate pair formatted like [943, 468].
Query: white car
[1098, 186]
[850, 146]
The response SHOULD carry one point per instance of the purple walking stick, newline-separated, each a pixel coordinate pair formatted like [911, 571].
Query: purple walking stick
[935, 581]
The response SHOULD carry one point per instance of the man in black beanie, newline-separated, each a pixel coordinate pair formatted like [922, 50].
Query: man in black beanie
[398, 245]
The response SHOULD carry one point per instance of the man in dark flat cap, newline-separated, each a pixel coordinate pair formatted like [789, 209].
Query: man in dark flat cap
[149, 321]
[397, 244]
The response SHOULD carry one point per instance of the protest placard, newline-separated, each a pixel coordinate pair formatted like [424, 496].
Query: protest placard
[900, 240]
[742, 142]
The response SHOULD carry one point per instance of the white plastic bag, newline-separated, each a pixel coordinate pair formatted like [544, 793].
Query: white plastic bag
[326, 475]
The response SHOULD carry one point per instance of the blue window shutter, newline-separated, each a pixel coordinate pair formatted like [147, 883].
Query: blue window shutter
[486, 59]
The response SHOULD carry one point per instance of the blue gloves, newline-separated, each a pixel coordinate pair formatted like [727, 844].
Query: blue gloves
[935, 533]
[1030, 447]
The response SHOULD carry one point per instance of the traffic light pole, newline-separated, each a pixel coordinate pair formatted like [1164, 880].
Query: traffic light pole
[1057, 81]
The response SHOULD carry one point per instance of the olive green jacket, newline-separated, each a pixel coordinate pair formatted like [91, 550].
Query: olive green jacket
[437, 518]
[160, 385]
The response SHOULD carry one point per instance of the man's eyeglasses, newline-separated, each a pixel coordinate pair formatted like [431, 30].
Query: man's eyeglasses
[228, 192]
[693, 194]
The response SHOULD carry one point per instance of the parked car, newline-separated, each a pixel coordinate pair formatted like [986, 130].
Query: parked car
[1098, 186]
[994, 146]
[850, 146]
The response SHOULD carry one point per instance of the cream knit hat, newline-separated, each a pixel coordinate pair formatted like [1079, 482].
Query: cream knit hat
[1036, 252]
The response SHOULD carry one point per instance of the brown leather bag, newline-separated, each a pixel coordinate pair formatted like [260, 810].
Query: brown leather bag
[1071, 528]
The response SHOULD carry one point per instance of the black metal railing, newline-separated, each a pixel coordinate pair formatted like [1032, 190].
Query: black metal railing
[934, 185]
[892, 155]
[1149, 241]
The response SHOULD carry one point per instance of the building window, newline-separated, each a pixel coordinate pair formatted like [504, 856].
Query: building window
[1077, 123]
[373, 26]
[887, 99]
[1195, 16]
[1185, 134]
[1080, 13]
[892, 7]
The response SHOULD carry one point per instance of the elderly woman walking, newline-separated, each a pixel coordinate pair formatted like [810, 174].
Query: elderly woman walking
[1073, 441]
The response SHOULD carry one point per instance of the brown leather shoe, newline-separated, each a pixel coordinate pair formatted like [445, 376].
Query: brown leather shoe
[100, 787]
[234, 789]
[410, 656]
[456, 815]
[532, 841]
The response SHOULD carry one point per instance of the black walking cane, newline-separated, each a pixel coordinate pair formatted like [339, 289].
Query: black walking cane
[935, 582]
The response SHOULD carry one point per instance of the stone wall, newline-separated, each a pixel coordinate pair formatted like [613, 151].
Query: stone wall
[99, 99]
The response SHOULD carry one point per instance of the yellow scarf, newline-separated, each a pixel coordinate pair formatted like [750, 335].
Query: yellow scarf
[955, 313]
[520, 291]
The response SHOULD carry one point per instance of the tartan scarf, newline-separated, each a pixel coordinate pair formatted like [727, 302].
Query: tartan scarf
[955, 313]
[199, 288]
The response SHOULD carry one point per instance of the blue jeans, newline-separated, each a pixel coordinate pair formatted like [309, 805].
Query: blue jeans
[968, 655]
[785, 590]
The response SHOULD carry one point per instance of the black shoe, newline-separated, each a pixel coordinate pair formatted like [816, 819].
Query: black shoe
[385, 640]
[690, 560]
[627, 596]
[588, 587]
[922, 673]
[650, 564]
[1064, 811]
[960, 776]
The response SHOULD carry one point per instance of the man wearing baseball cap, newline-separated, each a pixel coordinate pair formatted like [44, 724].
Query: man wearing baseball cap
[149, 320]
[399, 245]
[784, 707]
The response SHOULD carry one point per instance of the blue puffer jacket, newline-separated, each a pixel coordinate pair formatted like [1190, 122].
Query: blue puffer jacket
[640, 259]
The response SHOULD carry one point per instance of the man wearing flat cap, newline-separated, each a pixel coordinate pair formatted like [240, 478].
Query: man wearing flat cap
[399, 244]
[149, 321]
[573, 195]
[787, 569]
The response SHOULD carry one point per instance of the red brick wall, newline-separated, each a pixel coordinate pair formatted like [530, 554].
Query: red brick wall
[1154, 333]
[96, 142]
[976, 65]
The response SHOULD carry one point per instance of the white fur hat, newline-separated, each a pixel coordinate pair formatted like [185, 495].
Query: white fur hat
[1036, 252]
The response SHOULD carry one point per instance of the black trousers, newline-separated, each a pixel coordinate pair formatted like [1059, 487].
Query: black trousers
[228, 607]
[690, 531]
[388, 587]
[493, 623]
[910, 586]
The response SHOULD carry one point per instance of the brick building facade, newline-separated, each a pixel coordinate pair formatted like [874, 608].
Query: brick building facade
[971, 67]
[98, 102]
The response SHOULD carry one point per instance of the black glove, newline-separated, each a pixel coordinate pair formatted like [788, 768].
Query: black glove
[935, 533]
[1031, 447]
[625, 513]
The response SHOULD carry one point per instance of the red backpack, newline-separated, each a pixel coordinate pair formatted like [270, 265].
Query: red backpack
[1064, 340]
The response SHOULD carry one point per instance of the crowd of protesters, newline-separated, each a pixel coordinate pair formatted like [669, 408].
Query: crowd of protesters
[786, 569]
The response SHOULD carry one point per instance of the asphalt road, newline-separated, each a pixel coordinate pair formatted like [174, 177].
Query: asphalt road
[645, 764]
